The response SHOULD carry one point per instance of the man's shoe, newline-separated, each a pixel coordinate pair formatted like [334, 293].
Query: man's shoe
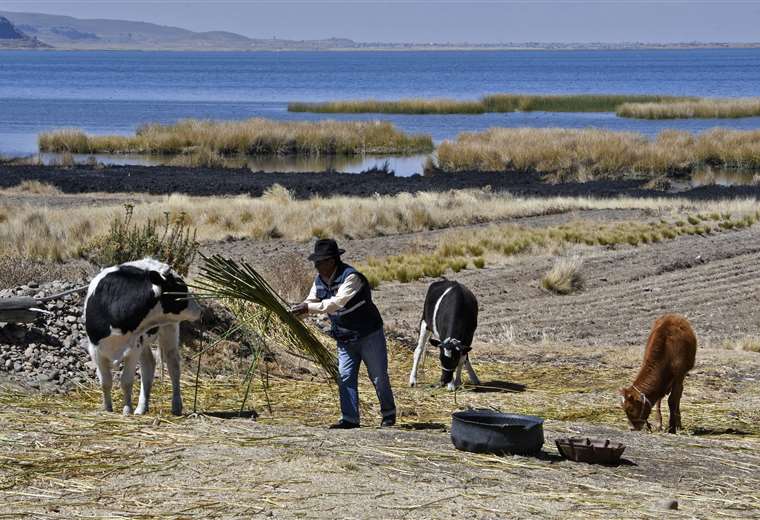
[343, 425]
[388, 421]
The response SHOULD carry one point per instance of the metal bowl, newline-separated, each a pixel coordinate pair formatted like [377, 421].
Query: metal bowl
[593, 451]
[486, 431]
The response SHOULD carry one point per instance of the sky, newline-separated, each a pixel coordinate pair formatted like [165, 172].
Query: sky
[440, 21]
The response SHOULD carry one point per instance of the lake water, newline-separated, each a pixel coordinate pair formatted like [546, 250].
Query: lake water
[114, 92]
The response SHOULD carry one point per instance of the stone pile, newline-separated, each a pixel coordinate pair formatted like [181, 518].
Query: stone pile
[50, 353]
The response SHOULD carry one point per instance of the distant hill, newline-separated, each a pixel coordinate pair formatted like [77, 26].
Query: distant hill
[30, 30]
[12, 38]
[65, 32]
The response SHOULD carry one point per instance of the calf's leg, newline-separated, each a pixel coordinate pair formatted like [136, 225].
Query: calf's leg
[658, 417]
[103, 371]
[457, 381]
[471, 371]
[674, 405]
[168, 341]
[128, 375]
[419, 352]
[147, 373]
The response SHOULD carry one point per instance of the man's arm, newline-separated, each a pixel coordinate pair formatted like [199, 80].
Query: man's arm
[346, 291]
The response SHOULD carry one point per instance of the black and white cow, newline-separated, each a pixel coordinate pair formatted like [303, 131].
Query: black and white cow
[125, 307]
[449, 320]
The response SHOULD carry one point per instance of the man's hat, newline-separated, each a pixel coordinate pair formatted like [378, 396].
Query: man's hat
[325, 248]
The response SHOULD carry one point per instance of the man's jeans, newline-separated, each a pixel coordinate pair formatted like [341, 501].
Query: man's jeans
[373, 351]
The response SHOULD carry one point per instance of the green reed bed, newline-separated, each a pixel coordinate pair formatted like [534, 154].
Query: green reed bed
[593, 153]
[489, 103]
[249, 137]
[461, 250]
[402, 106]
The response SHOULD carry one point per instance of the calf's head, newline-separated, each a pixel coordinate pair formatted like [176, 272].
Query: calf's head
[636, 406]
[172, 292]
[452, 351]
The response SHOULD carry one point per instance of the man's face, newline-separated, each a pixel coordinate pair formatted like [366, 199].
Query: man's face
[325, 267]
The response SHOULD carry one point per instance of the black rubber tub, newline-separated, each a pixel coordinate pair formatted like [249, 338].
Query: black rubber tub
[486, 431]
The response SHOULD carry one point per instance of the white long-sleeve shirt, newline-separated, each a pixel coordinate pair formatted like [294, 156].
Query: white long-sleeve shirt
[346, 291]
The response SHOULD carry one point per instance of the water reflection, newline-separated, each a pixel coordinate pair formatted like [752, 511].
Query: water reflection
[403, 166]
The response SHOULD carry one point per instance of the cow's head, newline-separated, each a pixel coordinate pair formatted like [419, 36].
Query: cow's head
[452, 351]
[636, 406]
[173, 294]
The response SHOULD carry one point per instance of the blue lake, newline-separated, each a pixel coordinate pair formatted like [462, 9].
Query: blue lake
[114, 92]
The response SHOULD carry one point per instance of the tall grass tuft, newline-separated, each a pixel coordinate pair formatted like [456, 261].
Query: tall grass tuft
[693, 108]
[250, 137]
[565, 276]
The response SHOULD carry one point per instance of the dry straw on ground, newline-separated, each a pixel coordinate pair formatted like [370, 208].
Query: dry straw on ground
[565, 276]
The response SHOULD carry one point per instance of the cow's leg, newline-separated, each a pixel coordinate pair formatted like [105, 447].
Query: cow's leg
[103, 371]
[674, 405]
[128, 374]
[419, 352]
[147, 373]
[658, 417]
[457, 381]
[471, 371]
[168, 341]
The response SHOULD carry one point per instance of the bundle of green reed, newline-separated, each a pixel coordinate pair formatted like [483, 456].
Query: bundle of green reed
[224, 278]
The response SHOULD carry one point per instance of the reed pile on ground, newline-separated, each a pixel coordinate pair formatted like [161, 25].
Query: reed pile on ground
[249, 137]
[691, 108]
[591, 154]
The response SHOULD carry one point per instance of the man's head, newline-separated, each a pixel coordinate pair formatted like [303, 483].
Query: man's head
[326, 256]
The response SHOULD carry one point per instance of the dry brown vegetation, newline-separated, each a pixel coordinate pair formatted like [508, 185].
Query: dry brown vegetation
[691, 108]
[589, 154]
[249, 137]
[565, 276]
[38, 232]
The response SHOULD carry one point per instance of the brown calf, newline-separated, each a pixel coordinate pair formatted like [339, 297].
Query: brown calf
[669, 355]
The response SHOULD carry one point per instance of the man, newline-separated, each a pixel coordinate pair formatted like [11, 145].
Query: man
[344, 295]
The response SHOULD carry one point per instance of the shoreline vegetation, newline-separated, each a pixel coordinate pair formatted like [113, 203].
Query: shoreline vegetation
[499, 103]
[628, 106]
[252, 137]
[578, 155]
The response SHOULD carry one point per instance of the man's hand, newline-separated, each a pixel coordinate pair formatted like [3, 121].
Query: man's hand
[300, 309]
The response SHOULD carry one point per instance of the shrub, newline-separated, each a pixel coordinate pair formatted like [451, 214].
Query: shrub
[173, 242]
[565, 276]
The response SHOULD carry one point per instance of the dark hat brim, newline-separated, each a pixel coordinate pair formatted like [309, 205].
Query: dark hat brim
[314, 257]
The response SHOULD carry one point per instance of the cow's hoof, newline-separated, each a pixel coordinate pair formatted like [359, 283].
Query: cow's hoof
[451, 387]
[141, 410]
[127, 410]
[412, 382]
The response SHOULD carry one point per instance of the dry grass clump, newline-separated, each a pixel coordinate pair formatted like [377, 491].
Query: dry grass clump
[691, 108]
[565, 277]
[587, 154]
[402, 106]
[33, 187]
[456, 248]
[16, 271]
[250, 137]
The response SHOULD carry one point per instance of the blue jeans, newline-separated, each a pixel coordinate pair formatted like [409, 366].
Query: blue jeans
[373, 351]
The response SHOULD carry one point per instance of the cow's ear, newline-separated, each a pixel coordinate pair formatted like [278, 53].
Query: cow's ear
[155, 278]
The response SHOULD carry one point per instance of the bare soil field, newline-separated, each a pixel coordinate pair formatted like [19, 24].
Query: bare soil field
[560, 357]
